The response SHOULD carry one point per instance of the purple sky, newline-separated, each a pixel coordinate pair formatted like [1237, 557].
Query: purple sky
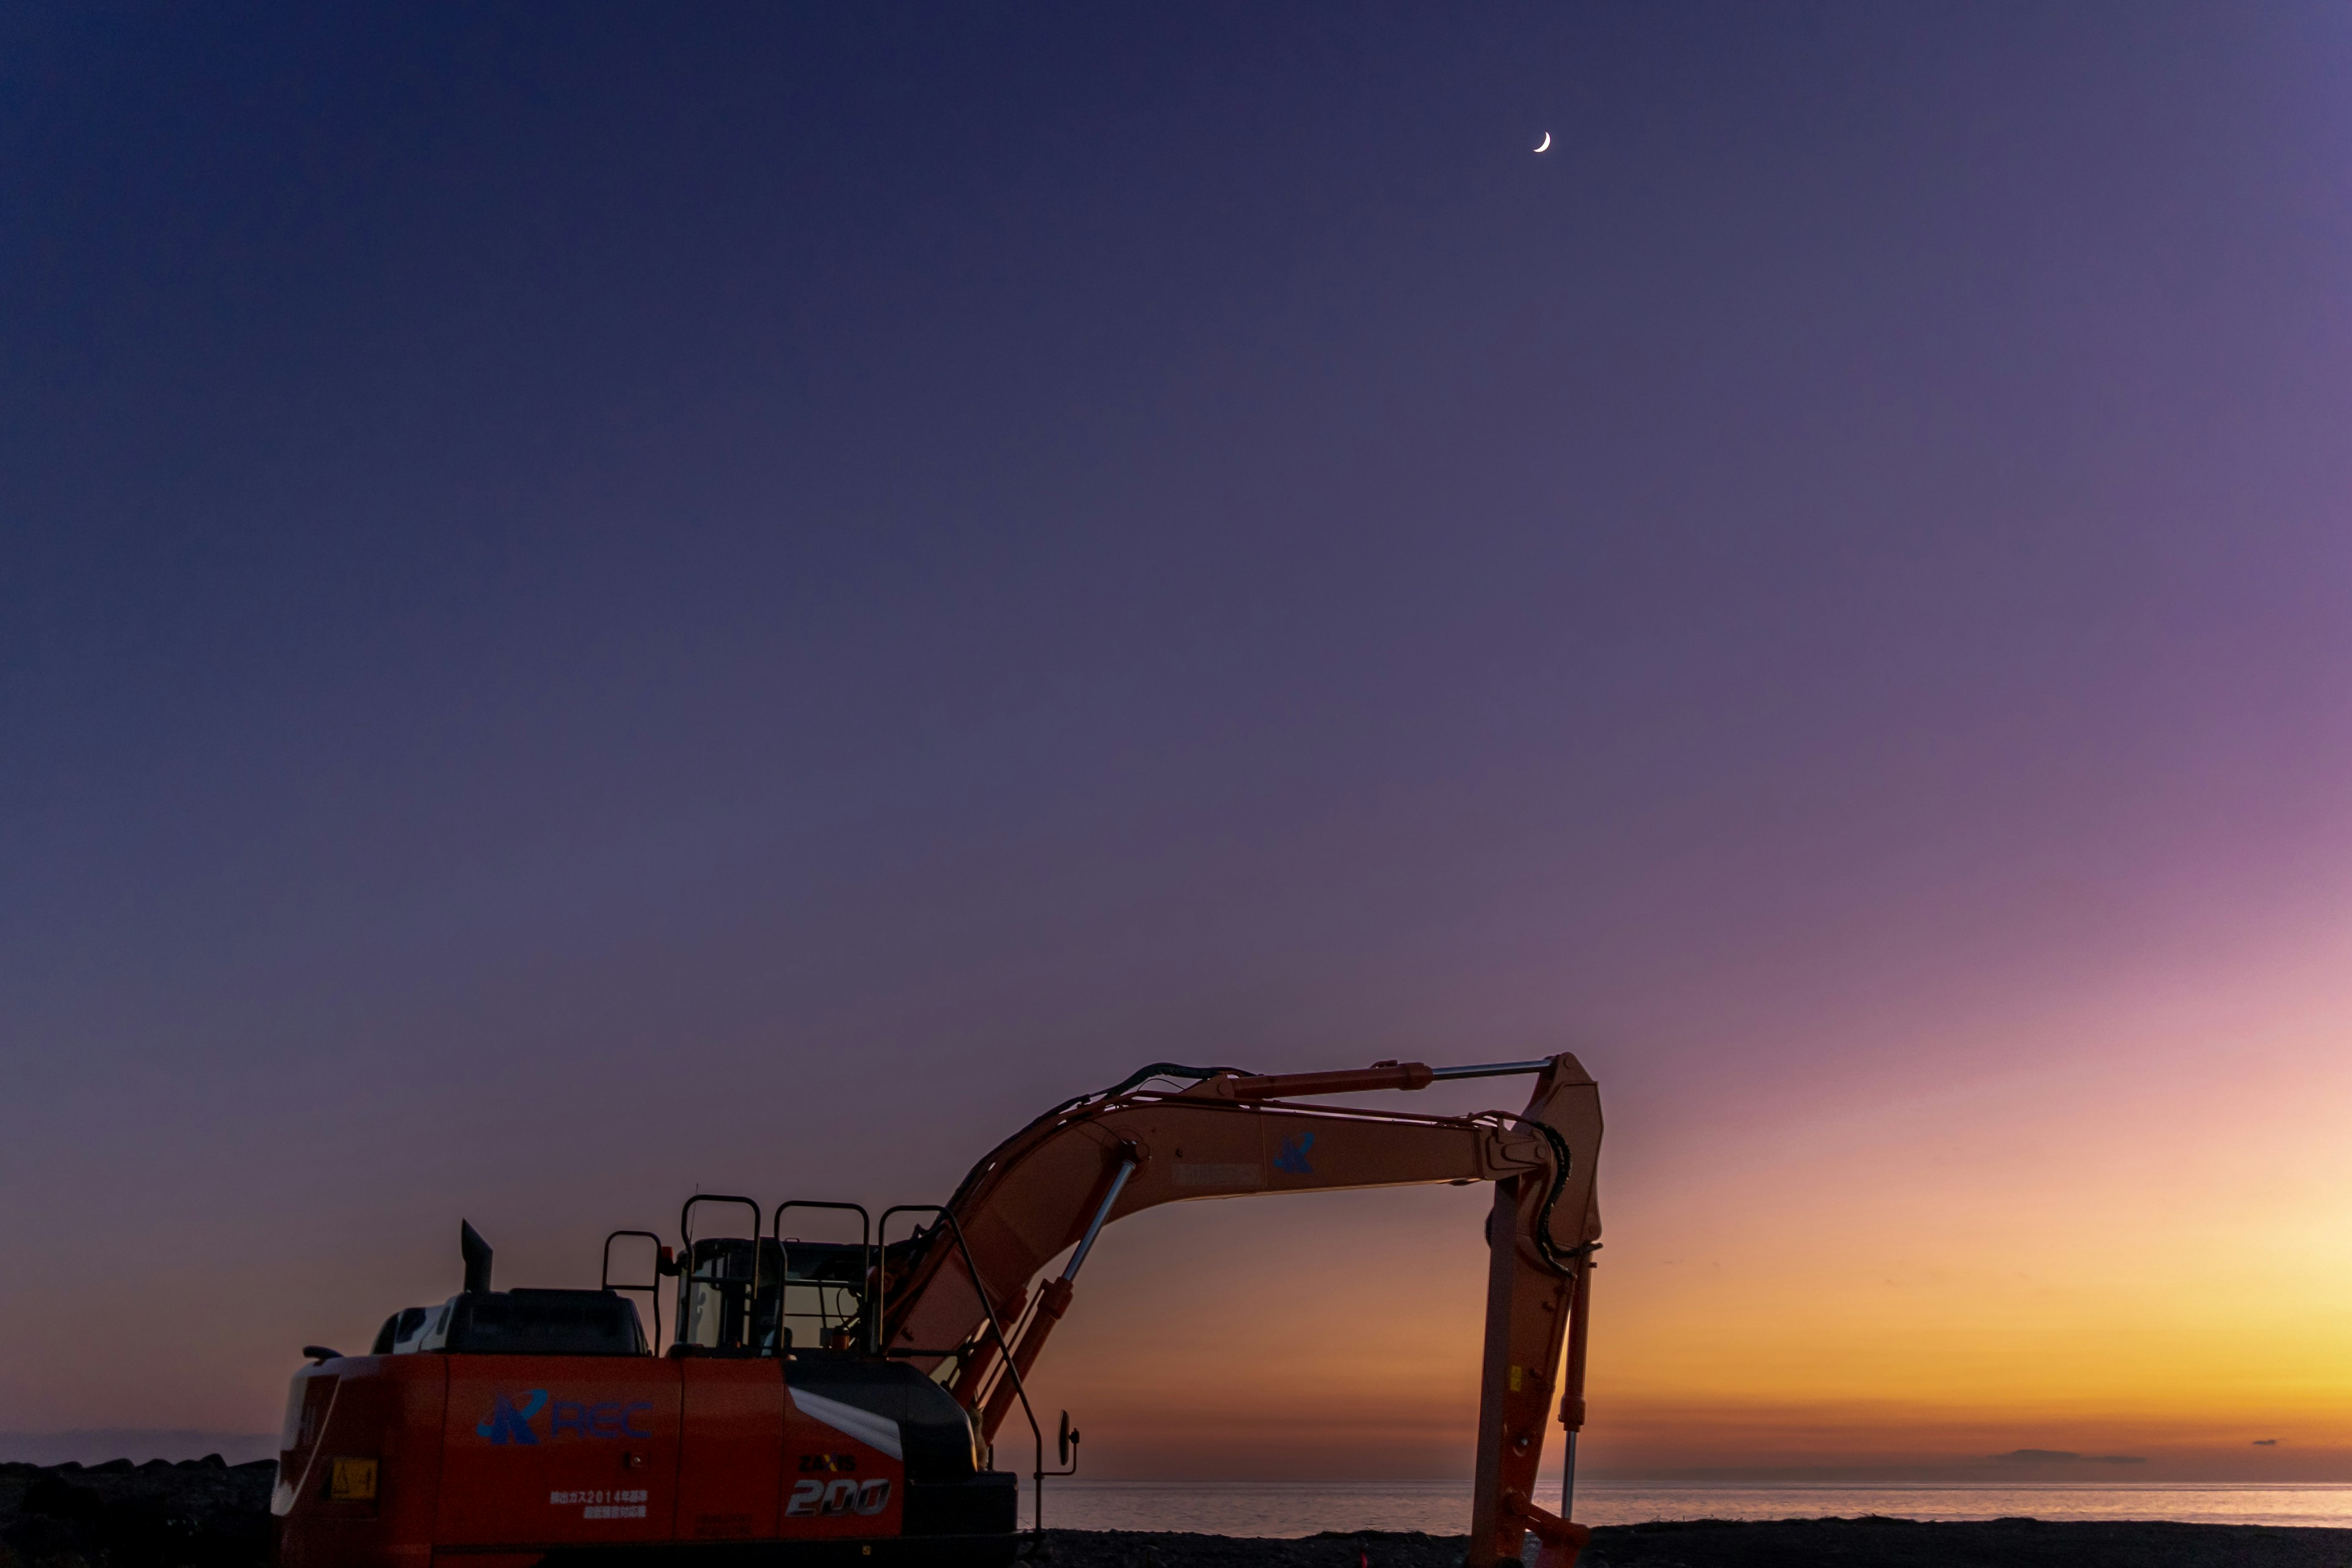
[594, 603]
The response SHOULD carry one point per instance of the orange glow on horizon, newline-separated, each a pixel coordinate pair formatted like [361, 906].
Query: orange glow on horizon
[2140, 1252]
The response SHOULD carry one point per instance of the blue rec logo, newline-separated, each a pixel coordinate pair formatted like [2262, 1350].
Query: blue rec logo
[1292, 1155]
[508, 1425]
[511, 1416]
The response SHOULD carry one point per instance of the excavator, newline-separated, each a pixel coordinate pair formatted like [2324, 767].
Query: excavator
[824, 1403]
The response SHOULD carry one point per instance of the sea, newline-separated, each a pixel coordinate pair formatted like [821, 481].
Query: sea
[1443, 1507]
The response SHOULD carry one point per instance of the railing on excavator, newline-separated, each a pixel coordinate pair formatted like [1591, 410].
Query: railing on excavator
[741, 1300]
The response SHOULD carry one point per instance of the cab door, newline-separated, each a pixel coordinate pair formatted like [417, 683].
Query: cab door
[558, 1449]
[731, 1448]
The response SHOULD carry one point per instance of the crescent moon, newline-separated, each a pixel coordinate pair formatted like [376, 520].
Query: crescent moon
[1544, 145]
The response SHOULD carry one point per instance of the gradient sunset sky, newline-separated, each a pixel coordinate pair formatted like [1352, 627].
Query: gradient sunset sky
[596, 603]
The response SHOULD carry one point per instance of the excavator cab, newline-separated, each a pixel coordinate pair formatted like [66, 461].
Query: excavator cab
[728, 1297]
[744, 1295]
[771, 1295]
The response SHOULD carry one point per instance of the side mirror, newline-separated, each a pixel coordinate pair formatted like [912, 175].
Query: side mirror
[666, 1264]
[320, 1355]
[1067, 1439]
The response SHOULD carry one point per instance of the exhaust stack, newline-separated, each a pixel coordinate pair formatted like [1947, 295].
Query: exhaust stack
[477, 1253]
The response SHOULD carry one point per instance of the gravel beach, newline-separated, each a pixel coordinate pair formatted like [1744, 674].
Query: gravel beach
[205, 1514]
[1795, 1543]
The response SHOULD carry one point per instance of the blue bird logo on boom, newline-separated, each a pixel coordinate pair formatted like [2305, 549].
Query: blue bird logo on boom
[1292, 1155]
[507, 1424]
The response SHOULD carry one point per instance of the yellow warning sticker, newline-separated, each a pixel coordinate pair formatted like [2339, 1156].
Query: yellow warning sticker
[351, 1480]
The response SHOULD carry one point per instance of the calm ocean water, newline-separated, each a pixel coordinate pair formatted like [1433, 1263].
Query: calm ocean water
[1443, 1507]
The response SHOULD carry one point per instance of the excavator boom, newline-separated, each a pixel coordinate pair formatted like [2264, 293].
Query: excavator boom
[1052, 1186]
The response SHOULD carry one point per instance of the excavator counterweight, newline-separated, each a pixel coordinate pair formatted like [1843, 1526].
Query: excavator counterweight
[839, 1402]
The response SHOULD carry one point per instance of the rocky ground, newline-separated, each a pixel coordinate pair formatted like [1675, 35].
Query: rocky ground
[198, 1514]
[206, 1514]
[1795, 1543]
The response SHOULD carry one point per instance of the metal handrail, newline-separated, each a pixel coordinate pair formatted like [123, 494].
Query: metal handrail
[1003, 1347]
[686, 1235]
[605, 1277]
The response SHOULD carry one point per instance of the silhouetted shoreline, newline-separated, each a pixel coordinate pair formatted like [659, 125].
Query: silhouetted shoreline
[1792, 1544]
[204, 1513]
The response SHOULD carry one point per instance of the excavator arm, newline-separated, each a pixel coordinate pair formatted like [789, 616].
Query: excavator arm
[1052, 1187]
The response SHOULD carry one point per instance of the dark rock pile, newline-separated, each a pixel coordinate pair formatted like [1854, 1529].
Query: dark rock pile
[200, 1514]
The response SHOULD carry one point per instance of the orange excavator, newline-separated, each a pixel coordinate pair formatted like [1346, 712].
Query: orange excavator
[838, 1402]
